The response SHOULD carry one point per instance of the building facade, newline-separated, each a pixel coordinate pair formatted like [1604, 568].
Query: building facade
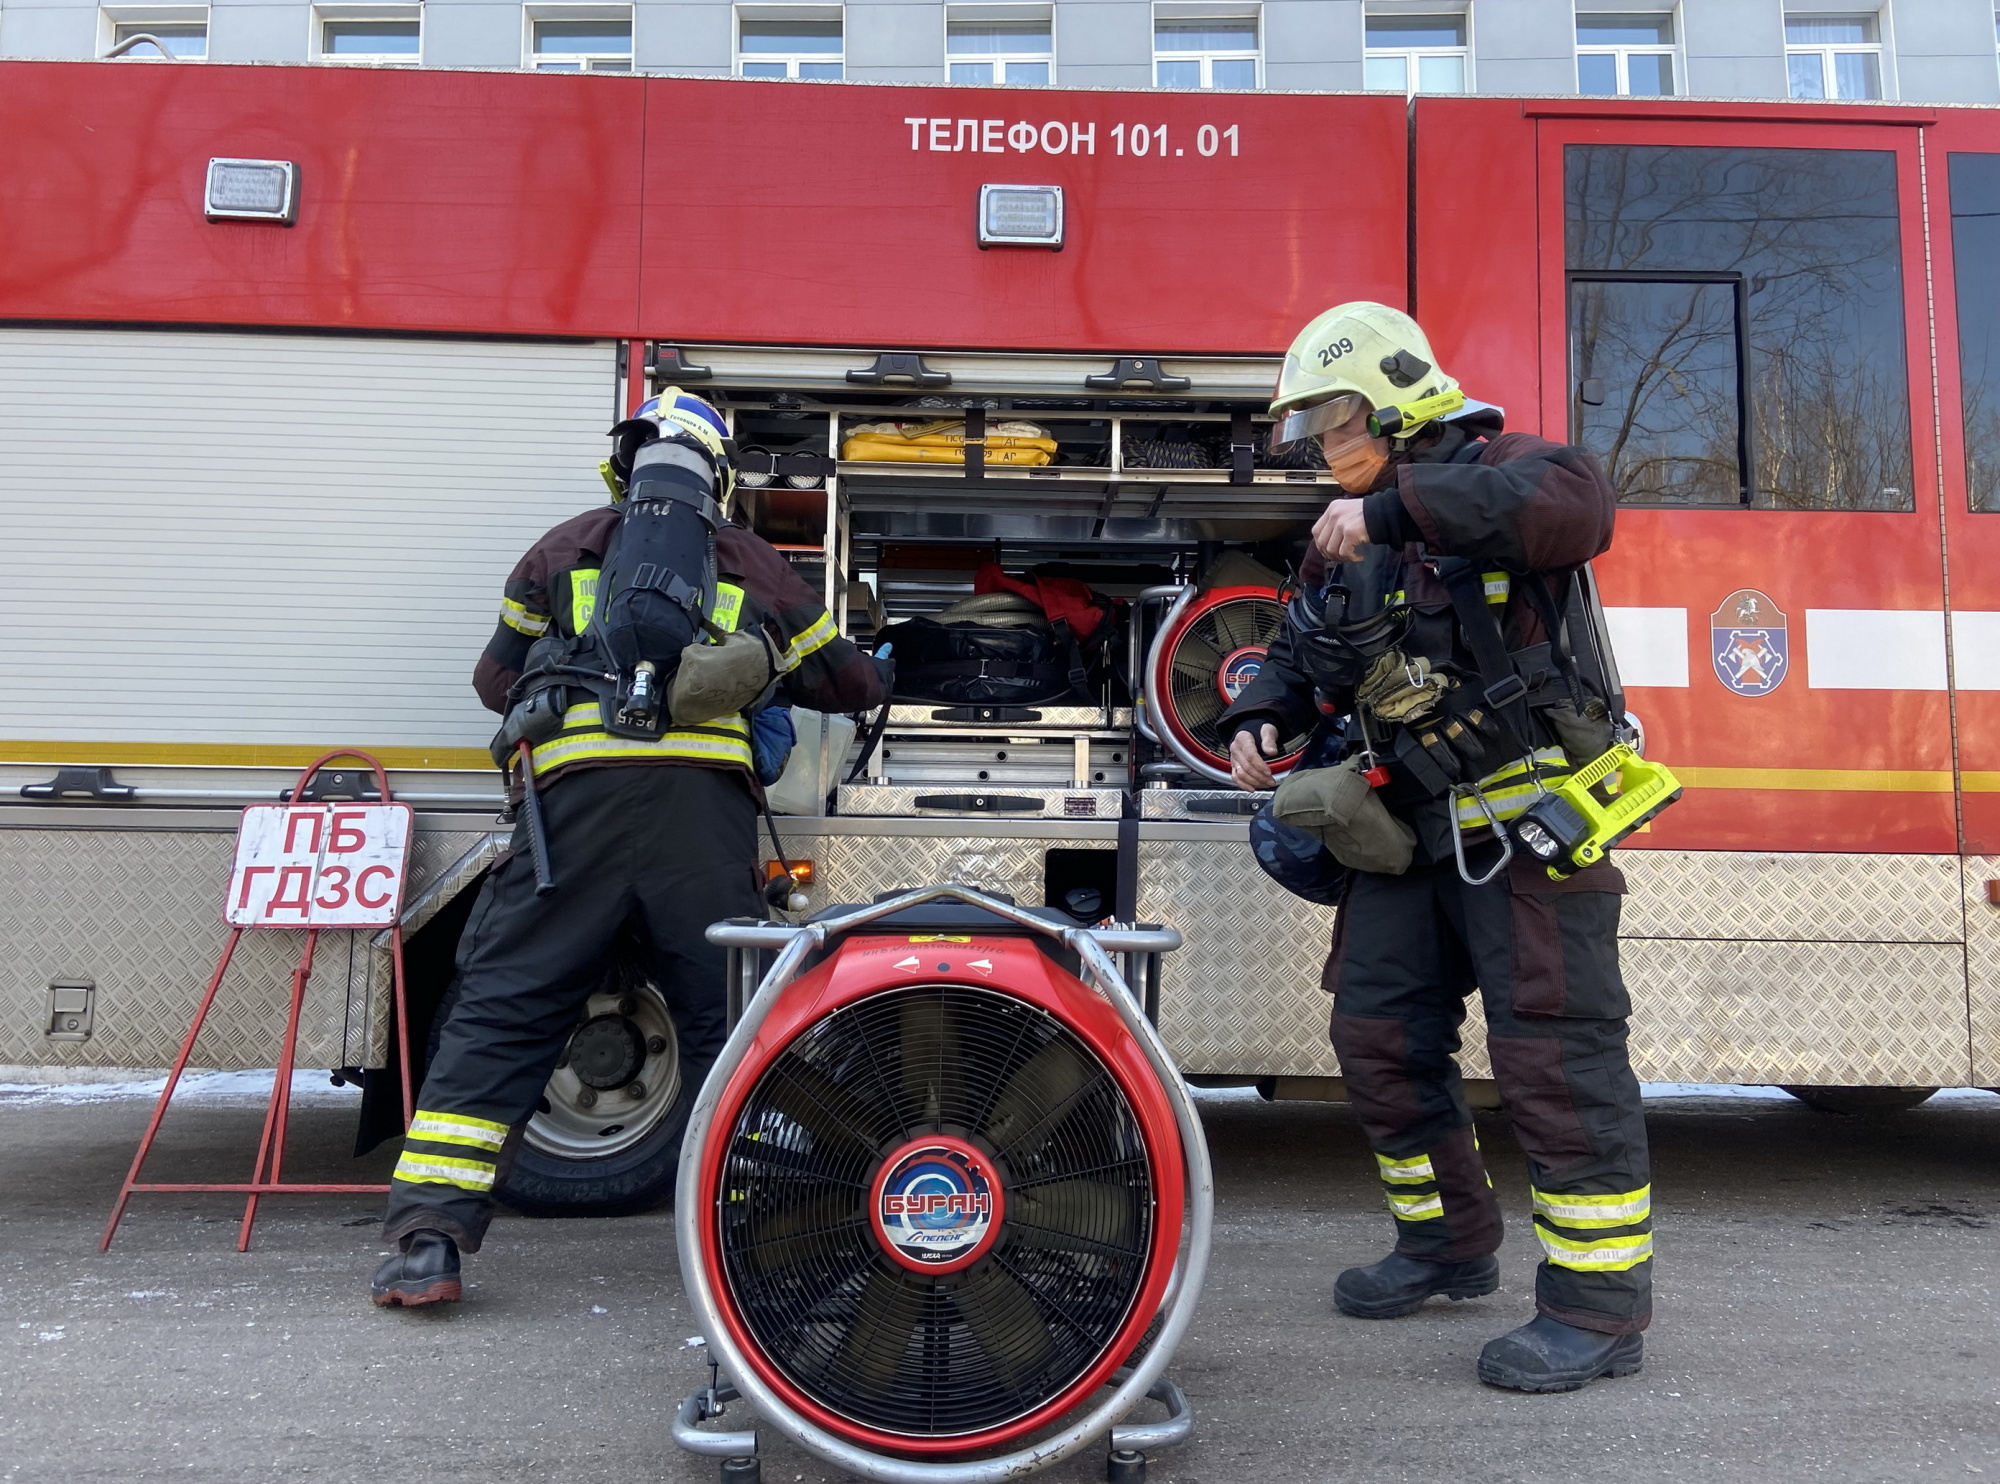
[1939, 51]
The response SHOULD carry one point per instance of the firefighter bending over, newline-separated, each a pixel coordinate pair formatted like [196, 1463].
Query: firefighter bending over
[1420, 646]
[634, 643]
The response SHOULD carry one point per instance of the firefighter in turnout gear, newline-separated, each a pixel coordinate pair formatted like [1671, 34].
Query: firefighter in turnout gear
[1438, 641]
[650, 817]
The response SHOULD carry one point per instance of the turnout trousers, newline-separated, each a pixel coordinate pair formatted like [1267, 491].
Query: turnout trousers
[664, 850]
[1407, 950]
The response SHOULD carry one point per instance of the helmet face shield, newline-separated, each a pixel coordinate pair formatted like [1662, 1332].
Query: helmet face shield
[1297, 426]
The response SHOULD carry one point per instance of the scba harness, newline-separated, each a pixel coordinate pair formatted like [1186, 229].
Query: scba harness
[1531, 744]
[655, 643]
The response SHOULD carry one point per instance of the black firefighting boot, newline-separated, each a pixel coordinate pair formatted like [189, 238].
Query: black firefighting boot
[1547, 1355]
[424, 1272]
[1398, 1285]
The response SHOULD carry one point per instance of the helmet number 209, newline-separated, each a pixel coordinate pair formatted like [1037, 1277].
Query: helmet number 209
[1328, 354]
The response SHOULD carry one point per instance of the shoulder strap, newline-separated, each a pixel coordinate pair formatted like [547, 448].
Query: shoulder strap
[1501, 686]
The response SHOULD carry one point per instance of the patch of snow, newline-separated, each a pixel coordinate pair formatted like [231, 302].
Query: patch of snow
[253, 1085]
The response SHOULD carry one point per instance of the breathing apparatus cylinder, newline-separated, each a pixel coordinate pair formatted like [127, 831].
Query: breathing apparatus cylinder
[656, 581]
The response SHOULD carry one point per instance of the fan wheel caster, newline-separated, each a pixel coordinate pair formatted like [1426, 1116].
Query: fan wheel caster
[742, 1471]
[1125, 1466]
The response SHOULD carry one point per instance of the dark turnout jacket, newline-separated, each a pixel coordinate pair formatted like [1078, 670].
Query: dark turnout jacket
[830, 673]
[1511, 503]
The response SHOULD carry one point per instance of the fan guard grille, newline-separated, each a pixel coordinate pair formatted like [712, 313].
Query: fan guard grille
[1207, 640]
[908, 1353]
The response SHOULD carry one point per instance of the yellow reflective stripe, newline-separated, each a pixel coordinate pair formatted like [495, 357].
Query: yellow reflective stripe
[582, 597]
[441, 1169]
[816, 636]
[1415, 1207]
[681, 745]
[457, 1128]
[1406, 1171]
[1626, 1209]
[728, 610]
[1509, 799]
[1498, 585]
[517, 617]
[1599, 1255]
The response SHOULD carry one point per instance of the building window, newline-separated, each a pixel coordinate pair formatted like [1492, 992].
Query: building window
[1625, 54]
[181, 29]
[373, 36]
[790, 41]
[1415, 54]
[1205, 51]
[1834, 56]
[1009, 44]
[576, 38]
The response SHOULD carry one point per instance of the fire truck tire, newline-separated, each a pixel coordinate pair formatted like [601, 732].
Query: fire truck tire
[637, 1178]
[1860, 1099]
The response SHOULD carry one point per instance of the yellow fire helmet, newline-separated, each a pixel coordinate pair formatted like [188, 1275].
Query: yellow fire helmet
[1359, 355]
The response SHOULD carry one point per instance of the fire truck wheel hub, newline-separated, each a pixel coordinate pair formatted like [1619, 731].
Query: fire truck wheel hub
[619, 1076]
[936, 1205]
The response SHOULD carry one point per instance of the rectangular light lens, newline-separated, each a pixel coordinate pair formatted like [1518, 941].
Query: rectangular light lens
[1021, 216]
[252, 190]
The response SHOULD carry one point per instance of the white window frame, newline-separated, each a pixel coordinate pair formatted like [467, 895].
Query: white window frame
[1623, 51]
[791, 61]
[533, 61]
[976, 14]
[1177, 11]
[1411, 54]
[323, 14]
[113, 18]
[1827, 51]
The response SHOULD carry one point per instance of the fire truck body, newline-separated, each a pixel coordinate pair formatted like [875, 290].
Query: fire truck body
[262, 482]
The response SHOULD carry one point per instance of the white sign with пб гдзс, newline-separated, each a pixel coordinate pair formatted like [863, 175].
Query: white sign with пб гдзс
[319, 866]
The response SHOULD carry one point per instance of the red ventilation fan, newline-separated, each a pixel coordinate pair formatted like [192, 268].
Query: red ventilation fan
[934, 1193]
[1211, 645]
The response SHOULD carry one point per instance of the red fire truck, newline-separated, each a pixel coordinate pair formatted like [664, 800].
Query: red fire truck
[295, 362]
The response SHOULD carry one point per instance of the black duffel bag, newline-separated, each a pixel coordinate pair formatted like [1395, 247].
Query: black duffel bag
[965, 663]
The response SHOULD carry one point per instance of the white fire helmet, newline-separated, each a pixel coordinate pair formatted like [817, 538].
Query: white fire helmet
[1355, 356]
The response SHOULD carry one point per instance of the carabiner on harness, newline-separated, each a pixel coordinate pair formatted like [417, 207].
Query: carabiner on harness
[1474, 791]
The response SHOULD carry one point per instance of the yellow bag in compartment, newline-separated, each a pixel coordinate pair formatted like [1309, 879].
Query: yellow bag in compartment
[942, 441]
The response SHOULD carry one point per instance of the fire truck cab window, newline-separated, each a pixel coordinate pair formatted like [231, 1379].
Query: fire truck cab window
[1777, 270]
[1975, 245]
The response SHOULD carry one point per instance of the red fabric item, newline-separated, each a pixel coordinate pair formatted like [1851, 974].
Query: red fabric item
[1063, 599]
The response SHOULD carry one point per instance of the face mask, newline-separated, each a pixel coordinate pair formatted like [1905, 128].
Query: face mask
[1358, 464]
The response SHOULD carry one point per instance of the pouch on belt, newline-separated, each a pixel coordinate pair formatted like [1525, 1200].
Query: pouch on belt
[720, 679]
[1339, 808]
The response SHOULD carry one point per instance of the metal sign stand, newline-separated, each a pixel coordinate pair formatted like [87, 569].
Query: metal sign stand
[385, 910]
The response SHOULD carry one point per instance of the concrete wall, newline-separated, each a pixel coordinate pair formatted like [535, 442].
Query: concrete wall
[52, 30]
[1524, 46]
[1944, 51]
[1734, 48]
[1312, 45]
[262, 32]
[1104, 43]
[895, 41]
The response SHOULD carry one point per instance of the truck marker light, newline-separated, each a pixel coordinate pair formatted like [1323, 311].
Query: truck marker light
[1021, 216]
[252, 191]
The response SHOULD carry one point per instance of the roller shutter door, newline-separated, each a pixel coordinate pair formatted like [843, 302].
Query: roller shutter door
[211, 543]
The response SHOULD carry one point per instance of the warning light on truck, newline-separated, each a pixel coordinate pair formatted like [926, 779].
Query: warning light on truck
[252, 191]
[1021, 216]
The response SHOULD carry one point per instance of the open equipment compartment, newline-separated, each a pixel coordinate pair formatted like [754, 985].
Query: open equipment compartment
[1158, 482]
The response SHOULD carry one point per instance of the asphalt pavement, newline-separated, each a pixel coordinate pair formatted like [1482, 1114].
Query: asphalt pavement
[1828, 1308]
